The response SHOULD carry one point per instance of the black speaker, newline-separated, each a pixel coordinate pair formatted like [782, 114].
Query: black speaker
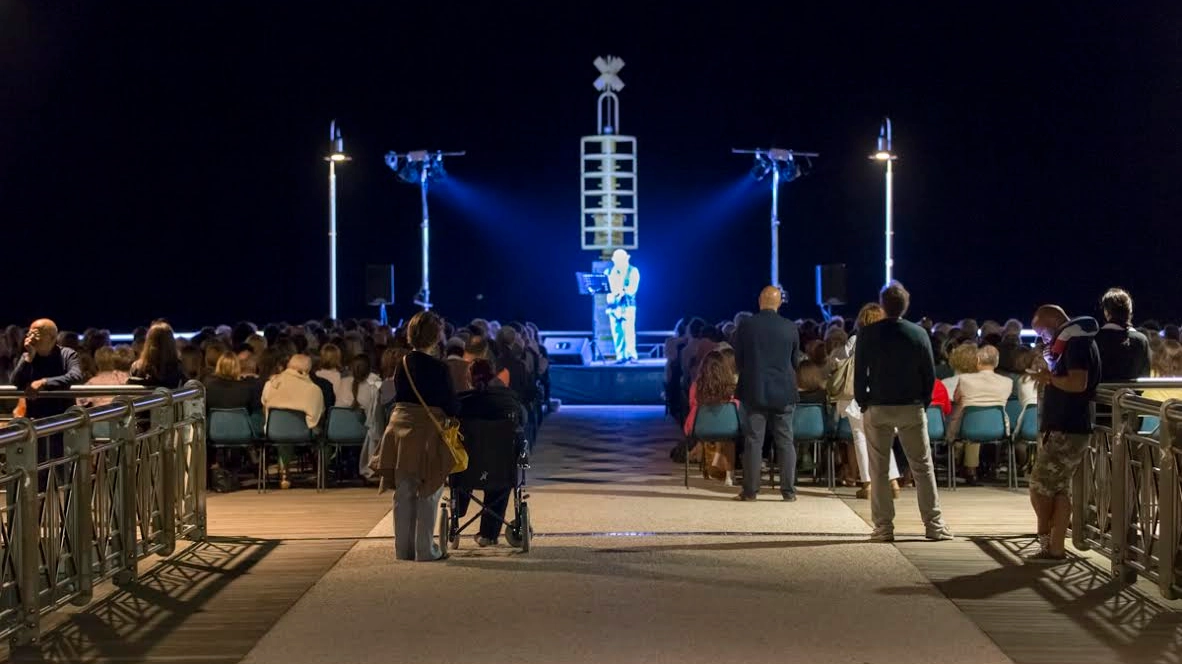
[831, 284]
[568, 350]
[379, 284]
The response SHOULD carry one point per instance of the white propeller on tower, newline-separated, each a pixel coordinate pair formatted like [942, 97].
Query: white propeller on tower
[609, 68]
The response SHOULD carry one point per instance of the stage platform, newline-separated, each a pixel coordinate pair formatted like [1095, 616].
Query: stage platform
[608, 383]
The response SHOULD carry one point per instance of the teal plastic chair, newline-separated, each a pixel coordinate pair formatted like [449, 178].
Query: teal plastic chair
[345, 428]
[987, 425]
[714, 422]
[842, 432]
[1149, 425]
[937, 434]
[1013, 412]
[231, 428]
[808, 426]
[283, 427]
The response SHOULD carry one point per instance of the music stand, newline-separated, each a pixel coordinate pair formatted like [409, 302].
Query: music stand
[591, 283]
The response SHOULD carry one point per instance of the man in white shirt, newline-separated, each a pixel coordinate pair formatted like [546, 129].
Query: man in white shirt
[983, 388]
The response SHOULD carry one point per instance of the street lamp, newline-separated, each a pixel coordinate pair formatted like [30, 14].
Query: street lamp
[336, 155]
[421, 167]
[781, 164]
[883, 153]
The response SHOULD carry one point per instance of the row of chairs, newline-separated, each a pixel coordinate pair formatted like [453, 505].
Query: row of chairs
[813, 424]
[235, 428]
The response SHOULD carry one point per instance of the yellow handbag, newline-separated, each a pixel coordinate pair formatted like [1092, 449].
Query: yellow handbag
[449, 431]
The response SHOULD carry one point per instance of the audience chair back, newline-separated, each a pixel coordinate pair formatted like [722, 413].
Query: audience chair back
[719, 421]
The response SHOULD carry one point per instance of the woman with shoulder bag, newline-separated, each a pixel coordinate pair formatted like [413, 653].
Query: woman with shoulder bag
[413, 458]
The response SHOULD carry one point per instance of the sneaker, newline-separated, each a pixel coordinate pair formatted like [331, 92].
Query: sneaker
[882, 534]
[484, 541]
[863, 493]
[744, 497]
[789, 497]
[1045, 557]
[730, 479]
[940, 534]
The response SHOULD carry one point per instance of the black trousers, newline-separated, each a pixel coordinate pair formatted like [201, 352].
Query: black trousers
[496, 501]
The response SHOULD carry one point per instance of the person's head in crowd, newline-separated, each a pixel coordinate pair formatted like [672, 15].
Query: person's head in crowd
[944, 328]
[124, 357]
[1171, 332]
[990, 327]
[926, 323]
[105, 360]
[257, 343]
[271, 332]
[1013, 327]
[508, 341]
[715, 382]
[836, 321]
[248, 365]
[359, 369]
[1027, 360]
[349, 324]
[242, 331]
[712, 333]
[391, 358]
[940, 349]
[894, 299]
[1151, 327]
[742, 316]
[728, 331]
[810, 376]
[835, 338]
[970, 328]
[300, 364]
[454, 347]
[42, 337]
[814, 350]
[963, 358]
[139, 337]
[301, 342]
[987, 358]
[1047, 320]
[192, 362]
[728, 358]
[87, 363]
[868, 315]
[476, 348]
[228, 366]
[695, 328]
[991, 339]
[271, 362]
[285, 346]
[95, 339]
[483, 374]
[770, 299]
[212, 352]
[425, 331]
[680, 328]
[1166, 361]
[159, 358]
[330, 357]
[1117, 306]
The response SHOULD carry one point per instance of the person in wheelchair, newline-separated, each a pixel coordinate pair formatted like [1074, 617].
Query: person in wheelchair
[489, 400]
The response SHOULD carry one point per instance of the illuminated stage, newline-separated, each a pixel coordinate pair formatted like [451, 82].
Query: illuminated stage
[608, 383]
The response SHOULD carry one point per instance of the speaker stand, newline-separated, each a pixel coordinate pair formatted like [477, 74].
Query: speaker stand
[826, 312]
[382, 314]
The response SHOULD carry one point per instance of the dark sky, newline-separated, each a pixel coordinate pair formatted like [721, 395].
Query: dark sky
[164, 159]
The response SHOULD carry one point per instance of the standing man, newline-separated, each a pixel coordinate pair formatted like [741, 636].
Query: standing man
[893, 378]
[46, 366]
[1065, 414]
[766, 348]
[624, 281]
[1124, 352]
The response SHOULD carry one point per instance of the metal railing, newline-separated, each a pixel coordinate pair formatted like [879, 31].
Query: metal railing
[1127, 500]
[91, 492]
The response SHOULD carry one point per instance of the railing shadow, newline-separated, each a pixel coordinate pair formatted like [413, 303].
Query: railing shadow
[134, 620]
[1138, 628]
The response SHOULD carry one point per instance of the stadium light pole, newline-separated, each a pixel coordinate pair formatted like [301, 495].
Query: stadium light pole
[336, 155]
[883, 153]
[781, 164]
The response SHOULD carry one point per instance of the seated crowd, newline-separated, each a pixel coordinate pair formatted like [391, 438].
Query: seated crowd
[311, 368]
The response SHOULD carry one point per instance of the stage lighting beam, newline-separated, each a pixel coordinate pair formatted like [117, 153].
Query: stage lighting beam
[336, 155]
[422, 167]
[781, 164]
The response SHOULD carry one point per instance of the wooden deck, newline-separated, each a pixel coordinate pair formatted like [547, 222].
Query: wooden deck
[211, 603]
[1039, 615]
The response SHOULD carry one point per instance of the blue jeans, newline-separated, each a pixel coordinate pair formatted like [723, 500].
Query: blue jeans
[755, 423]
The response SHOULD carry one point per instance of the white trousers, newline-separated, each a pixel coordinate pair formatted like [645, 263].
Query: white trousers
[861, 453]
[623, 320]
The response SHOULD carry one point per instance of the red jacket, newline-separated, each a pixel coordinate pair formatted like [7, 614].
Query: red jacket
[940, 398]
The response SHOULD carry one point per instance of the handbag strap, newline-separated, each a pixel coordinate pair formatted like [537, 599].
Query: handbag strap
[406, 368]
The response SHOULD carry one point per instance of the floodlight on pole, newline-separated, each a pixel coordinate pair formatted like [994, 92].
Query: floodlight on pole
[883, 153]
[336, 155]
[781, 164]
[422, 167]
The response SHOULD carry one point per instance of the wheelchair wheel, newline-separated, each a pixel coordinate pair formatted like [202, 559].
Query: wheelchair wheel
[527, 531]
[444, 530]
[513, 534]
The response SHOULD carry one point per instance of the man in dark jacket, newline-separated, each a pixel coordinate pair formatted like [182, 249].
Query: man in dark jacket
[766, 350]
[893, 378]
[1124, 352]
[46, 366]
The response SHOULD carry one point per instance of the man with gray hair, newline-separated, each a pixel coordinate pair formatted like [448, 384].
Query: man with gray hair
[984, 388]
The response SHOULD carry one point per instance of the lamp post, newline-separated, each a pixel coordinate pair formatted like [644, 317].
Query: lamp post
[421, 167]
[336, 155]
[781, 164]
[884, 154]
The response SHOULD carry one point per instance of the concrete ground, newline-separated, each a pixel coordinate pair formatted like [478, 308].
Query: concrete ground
[630, 566]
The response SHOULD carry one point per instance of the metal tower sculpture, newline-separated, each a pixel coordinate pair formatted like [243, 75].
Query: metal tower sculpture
[607, 185]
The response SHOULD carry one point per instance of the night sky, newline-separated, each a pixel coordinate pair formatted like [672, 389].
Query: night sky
[165, 159]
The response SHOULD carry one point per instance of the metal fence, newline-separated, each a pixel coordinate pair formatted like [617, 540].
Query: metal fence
[1127, 498]
[91, 492]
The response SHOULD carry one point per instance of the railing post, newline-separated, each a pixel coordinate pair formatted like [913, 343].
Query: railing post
[1167, 500]
[164, 419]
[22, 459]
[1118, 495]
[80, 519]
[194, 412]
[123, 435]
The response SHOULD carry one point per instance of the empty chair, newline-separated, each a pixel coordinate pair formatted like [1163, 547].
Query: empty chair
[987, 425]
[719, 421]
[808, 427]
[346, 428]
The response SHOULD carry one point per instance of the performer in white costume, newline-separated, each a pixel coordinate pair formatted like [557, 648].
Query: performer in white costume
[624, 281]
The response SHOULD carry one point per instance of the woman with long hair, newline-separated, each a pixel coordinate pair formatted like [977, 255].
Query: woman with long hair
[413, 459]
[159, 364]
[715, 384]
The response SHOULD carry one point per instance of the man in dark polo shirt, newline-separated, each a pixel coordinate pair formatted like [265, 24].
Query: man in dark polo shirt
[766, 348]
[1065, 414]
[1124, 352]
[893, 379]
